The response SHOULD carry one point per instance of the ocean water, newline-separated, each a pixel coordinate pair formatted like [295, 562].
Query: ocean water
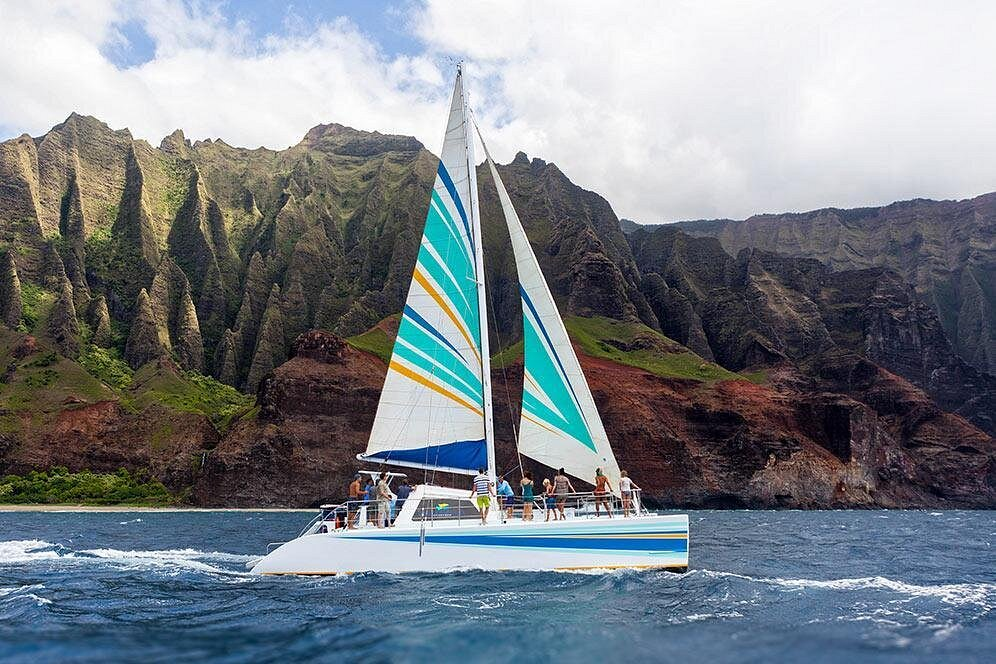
[763, 587]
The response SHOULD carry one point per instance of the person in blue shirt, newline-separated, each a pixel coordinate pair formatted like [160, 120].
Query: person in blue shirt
[507, 495]
[402, 494]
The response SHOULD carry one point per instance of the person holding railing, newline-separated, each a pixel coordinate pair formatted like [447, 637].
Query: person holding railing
[548, 499]
[602, 488]
[561, 487]
[506, 496]
[628, 488]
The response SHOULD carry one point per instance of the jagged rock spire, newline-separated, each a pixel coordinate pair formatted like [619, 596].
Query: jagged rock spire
[62, 327]
[144, 343]
[10, 292]
[100, 321]
[226, 358]
[270, 350]
[176, 318]
[72, 226]
[294, 307]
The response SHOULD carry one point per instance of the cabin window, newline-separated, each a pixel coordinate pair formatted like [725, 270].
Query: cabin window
[445, 509]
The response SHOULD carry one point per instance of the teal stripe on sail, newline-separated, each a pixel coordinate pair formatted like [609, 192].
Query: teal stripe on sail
[437, 370]
[441, 356]
[438, 216]
[456, 294]
[545, 370]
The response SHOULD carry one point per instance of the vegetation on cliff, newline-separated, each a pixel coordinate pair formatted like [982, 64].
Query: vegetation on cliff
[58, 486]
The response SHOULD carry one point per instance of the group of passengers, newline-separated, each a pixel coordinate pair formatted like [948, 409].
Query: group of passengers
[554, 494]
[385, 504]
[376, 495]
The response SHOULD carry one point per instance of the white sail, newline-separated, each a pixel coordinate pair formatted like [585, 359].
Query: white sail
[559, 425]
[434, 408]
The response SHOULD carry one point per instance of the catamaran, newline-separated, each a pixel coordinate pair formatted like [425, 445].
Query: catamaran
[435, 414]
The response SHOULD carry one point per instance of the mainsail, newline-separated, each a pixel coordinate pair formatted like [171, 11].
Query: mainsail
[559, 425]
[434, 411]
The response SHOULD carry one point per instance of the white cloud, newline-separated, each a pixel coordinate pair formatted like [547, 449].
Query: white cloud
[677, 110]
[208, 77]
[687, 110]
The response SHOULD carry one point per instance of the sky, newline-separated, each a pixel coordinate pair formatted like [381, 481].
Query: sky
[671, 110]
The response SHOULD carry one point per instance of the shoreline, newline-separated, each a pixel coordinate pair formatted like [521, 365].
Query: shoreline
[139, 508]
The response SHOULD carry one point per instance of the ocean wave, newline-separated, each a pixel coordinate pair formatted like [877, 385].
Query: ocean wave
[29, 551]
[20, 593]
[979, 594]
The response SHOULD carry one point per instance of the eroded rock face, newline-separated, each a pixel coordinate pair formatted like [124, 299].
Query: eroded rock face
[947, 249]
[857, 437]
[762, 308]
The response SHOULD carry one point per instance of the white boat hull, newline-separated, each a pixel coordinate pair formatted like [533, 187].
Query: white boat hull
[644, 541]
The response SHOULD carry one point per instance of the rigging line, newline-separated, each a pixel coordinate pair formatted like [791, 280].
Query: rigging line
[504, 370]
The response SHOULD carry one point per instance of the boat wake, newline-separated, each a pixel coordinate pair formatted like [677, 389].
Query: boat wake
[26, 552]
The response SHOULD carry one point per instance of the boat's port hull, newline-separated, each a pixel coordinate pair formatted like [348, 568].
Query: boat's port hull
[657, 541]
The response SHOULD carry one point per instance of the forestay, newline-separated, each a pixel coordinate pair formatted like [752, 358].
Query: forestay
[431, 410]
[559, 425]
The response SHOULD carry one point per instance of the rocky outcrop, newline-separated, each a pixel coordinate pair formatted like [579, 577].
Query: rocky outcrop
[947, 249]
[316, 411]
[62, 326]
[145, 340]
[176, 318]
[226, 358]
[856, 437]
[761, 308]
[270, 349]
[100, 322]
[10, 292]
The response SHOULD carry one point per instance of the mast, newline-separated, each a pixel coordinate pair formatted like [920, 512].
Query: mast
[475, 213]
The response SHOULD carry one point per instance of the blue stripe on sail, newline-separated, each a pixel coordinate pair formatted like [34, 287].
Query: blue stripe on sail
[466, 454]
[529, 303]
[424, 324]
[444, 175]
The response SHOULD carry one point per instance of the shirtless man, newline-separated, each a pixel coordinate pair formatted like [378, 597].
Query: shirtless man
[355, 495]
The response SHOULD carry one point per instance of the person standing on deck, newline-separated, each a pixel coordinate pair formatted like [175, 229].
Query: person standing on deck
[602, 488]
[627, 487]
[561, 487]
[483, 489]
[383, 502]
[549, 501]
[527, 496]
[404, 491]
[506, 495]
[353, 505]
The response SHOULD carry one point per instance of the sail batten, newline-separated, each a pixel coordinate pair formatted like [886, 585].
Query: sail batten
[432, 411]
[559, 424]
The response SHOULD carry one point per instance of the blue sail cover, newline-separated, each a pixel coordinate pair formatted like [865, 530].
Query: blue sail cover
[463, 456]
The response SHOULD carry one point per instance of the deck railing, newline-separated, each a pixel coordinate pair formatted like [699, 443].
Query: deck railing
[450, 511]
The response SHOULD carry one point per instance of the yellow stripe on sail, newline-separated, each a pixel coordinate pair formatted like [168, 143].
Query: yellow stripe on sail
[420, 278]
[405, 371]
[538, 423]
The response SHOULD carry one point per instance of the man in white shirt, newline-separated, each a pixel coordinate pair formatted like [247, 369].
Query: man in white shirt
[483, 489]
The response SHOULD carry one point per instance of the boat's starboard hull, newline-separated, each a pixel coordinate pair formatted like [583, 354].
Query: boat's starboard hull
[658, 541]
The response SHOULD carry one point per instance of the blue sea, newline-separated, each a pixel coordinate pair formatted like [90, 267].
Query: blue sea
[763, 587]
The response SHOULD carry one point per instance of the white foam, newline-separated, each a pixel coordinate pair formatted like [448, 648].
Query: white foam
[981, 594]
[18, 593]
[21, 551]
[27, 551]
